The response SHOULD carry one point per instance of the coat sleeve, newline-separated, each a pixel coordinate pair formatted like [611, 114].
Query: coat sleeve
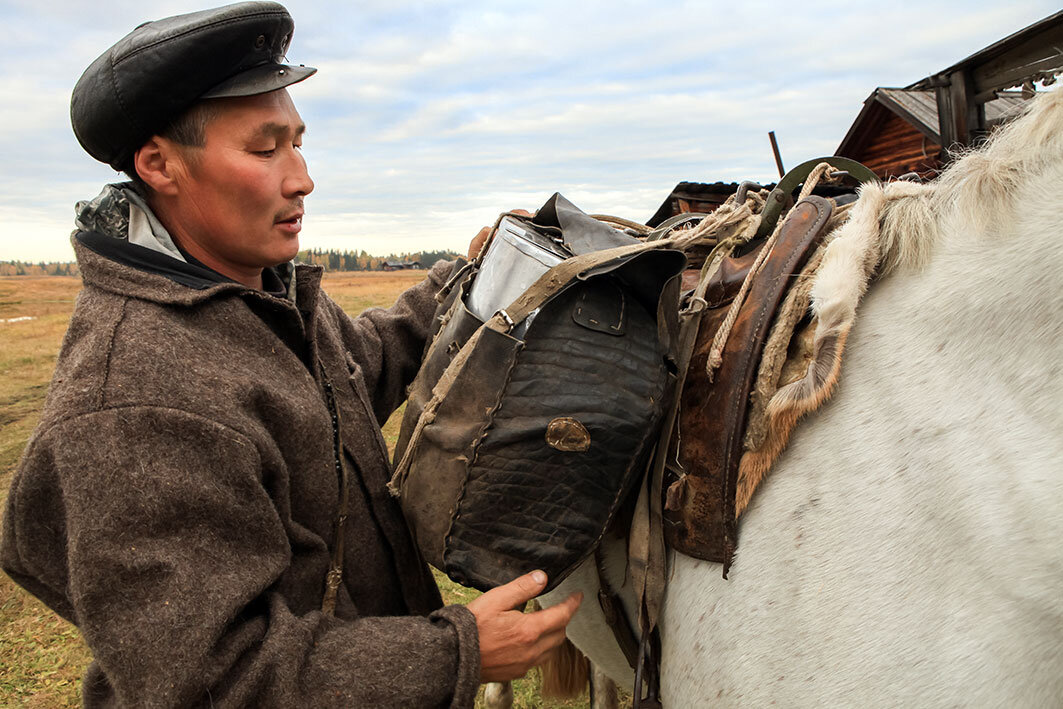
[387, 344]
[172, 566]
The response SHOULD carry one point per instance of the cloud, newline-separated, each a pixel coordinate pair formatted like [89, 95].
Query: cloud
[428, 118]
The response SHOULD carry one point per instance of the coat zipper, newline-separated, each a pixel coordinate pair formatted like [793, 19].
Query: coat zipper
[335, 572]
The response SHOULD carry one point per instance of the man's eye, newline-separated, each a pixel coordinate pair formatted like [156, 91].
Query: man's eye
[266, 153]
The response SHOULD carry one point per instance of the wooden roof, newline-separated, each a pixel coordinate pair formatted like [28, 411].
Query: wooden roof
[1033, 53]
[692, 196]
[963, 102]
[919, 108]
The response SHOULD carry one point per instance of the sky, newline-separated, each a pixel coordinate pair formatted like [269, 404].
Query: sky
[427, 119]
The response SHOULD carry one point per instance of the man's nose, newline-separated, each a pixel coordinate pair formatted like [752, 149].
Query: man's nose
[298, 182]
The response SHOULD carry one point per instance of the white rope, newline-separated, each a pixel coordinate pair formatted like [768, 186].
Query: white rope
[722, 335]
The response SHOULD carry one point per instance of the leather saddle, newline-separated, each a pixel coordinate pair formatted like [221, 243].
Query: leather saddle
[706, 443]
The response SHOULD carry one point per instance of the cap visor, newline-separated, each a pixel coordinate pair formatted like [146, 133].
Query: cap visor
[259, 80]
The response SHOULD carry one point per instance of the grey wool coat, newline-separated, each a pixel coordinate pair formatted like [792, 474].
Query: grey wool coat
[178, 500]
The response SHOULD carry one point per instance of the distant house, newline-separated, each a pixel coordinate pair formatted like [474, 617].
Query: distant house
[400, 265]
[693, 197]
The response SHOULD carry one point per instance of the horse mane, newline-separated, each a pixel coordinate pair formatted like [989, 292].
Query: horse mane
[898, 226]
[982, 183]
[979, 187]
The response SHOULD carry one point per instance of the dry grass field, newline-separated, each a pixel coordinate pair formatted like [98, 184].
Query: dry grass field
[42, 657]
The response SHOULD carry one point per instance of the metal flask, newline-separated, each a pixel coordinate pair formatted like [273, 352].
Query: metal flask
[517, 256]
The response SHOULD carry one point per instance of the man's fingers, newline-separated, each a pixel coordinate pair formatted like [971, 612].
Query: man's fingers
[548, 642]
[517, 592]
[545, 647]
[535, 654]
[478, 241]
[557, 617]
[512, 642]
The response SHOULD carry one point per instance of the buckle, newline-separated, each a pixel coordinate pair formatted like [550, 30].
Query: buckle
[505, 317]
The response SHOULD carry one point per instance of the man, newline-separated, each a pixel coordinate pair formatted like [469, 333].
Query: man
[205, 493]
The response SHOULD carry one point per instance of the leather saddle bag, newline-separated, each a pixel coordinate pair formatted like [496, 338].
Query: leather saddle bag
[524, 432]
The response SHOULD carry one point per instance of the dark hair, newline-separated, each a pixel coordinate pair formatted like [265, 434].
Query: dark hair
[189, 129]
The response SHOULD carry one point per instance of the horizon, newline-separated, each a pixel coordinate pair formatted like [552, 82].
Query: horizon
[356, 252]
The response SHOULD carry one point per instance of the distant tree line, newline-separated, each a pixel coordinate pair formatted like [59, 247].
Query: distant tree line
[41, 268]
[331, 259]
[334, 260]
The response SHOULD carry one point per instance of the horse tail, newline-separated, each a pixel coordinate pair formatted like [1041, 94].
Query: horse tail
[566, 673]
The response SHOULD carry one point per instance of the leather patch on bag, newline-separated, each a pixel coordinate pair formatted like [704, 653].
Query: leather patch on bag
[601, 307]
[567, 434]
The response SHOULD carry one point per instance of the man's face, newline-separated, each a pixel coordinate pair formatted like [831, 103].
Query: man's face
[240, 196]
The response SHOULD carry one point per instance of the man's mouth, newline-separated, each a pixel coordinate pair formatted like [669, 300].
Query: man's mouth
[291, 222]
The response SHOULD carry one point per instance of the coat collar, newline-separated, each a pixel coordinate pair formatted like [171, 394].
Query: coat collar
[129, 270]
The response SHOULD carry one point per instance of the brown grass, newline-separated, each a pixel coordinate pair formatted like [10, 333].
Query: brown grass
[42, 657]
[27, 354]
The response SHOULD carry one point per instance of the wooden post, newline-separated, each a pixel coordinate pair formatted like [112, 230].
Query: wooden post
[968, 116]
[963, 90]
[946, 126]
[961, 118]
[775, 151]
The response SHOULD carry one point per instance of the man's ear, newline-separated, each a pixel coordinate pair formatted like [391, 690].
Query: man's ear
[158, 163]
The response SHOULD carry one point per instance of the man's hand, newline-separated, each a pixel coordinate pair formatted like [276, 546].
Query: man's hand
[477, 242]
[512, 642]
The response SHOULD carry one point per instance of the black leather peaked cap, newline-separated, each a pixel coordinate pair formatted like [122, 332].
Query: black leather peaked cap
[157, 71]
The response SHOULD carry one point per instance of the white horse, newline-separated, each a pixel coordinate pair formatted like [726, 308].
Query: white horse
[907, 548]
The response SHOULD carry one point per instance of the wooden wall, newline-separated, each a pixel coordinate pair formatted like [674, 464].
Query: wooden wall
[897, 148]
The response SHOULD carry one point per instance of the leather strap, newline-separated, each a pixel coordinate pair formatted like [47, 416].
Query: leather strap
[779, 196]
[560, 276]
[647, 671]
[613, 610]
